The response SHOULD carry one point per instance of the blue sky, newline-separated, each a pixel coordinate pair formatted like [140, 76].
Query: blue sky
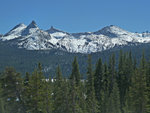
[76, 15]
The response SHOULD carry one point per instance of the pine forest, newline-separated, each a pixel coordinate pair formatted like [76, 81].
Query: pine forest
[116, 86]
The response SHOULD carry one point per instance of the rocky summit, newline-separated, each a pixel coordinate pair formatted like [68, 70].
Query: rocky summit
[31, 37]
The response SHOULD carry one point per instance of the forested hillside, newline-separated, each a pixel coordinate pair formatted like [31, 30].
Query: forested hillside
[115, 86]
[26, 61]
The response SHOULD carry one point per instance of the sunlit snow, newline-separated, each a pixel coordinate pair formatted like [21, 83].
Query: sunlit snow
[33, 38]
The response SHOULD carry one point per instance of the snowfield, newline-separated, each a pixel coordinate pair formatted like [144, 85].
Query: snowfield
[31, 37]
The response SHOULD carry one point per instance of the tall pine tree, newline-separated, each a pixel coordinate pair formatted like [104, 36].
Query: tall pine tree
[76, 97]
[113, 105]
[137, 91]
[12, 85]
[38, 93]
[60, 95]
[92, 105]
[98, 83]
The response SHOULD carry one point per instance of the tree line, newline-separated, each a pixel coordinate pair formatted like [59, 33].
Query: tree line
[109, 88]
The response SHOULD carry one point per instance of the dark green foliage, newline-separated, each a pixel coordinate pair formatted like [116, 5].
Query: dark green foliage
[125, 71]
[113, 105]
[47, 104]
[115, 87]
[38, 93]
[112, 71]
[75, 75]
[60, 93]
[26, 61]
[2, 109]
[92, 104]
[12, 85]
[148, 87]
[98, 76]
[105, 90]
[76, 95]
[137, 93]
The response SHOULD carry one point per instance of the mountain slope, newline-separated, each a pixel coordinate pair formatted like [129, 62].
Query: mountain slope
[26, 61]
[14, 33]
[31, 37]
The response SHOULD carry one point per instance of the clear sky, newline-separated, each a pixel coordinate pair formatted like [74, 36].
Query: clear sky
[76, 15]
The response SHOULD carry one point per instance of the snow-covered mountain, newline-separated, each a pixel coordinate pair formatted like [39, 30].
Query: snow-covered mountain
[31, 37]
[14, 33]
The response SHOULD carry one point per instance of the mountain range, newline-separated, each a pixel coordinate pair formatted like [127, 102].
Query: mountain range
[31, 37]
[24, 46]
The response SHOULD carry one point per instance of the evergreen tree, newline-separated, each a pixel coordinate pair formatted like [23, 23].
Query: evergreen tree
[26, 94]
[105, 77]
[60, 93]
[114, 100]
[76, 101]
[12, 91]
[125, 70]
[105, 90]
[2, 109]
[38, 93]
[47, 104]
[137, 91]
[129, 70]
[26, 79]
[92, 105]
[121, 78]
[75, 72]
[98, 83]
[65, 95]
[134, 64]
[112, 71]
[148, 88]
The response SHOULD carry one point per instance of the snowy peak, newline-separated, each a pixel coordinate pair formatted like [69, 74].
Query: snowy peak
[30, 29]
[16, 30]
[21, 25]
[33, 38]
[32, 25]
[57, 33]
[53, 30]
[14, 33]
[111, 31]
